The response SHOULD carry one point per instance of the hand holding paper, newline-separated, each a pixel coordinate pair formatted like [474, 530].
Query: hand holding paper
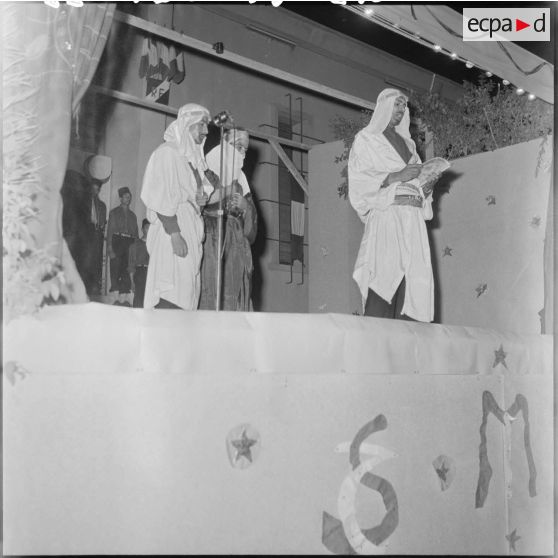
[431, 171]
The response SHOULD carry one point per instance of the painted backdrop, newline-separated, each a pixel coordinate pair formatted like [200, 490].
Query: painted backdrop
[487, 238]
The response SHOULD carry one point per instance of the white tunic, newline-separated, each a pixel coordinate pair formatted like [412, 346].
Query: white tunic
[395, 241]
[169, 188]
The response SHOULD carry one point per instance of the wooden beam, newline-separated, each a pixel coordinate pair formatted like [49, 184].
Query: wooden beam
[239, 60]
[290, 165]
[269, 137]
[171, 111]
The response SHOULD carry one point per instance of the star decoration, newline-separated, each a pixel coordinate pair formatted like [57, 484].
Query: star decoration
[442, 472]
[512, 538]
[491, 200]
[500, 357]
[536, 222]
[481, 289]
[243, 446]
[325, 251]
[447, 251]
[444, 467]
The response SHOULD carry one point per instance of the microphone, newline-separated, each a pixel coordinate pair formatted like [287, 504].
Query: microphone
[222, 119]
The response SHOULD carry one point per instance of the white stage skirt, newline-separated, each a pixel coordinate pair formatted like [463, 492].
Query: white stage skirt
[168, 432]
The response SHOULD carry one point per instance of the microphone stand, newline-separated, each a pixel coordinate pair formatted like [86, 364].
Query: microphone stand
[221, 120]
[220, 227]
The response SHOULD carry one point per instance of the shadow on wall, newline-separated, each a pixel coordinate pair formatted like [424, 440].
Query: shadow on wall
[95, 110]
[259, 246]
[441, 189]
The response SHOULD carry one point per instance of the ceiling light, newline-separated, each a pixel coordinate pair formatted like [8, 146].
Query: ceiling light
[520, 91]
[505, 82]
[469, 64]
[369, 11]
[453, 56]
[532, 96]
[437, 48]
[488, 74]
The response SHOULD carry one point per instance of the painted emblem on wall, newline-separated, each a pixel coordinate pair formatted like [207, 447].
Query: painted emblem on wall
[243, 446]
[344, 535]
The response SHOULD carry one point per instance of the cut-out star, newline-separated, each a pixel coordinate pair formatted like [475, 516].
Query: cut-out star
[536, 222]
[500, 357]
[481, 289]
[445, 470]
[447, 251]
[491, 200]
[243, 446]
[512, 538]
[442, 472]
[324, 250]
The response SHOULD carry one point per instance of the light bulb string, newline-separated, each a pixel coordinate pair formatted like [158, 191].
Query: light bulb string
[385, 22]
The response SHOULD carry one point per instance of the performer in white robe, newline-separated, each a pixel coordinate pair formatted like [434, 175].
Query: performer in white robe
[175, 184]
[394, 251]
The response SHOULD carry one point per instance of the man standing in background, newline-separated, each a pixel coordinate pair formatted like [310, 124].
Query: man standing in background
[96, 237]
[121, 233]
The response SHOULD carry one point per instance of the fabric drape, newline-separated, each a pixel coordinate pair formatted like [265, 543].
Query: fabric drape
[49, 56]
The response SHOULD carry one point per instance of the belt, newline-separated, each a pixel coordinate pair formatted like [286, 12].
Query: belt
[125, 235]
[402, 199]
[142, 265]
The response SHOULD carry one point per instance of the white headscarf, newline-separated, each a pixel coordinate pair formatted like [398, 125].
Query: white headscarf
[179, 133]
[383, 112]
[232, 161]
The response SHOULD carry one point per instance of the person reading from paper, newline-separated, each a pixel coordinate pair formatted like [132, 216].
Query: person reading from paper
[176, 185]
[393, 269]
[239, 226]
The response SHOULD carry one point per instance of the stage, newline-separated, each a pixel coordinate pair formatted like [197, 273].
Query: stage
[167, 432]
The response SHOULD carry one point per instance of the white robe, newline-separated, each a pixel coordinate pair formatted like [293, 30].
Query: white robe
[169, 188]
[395, 241]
